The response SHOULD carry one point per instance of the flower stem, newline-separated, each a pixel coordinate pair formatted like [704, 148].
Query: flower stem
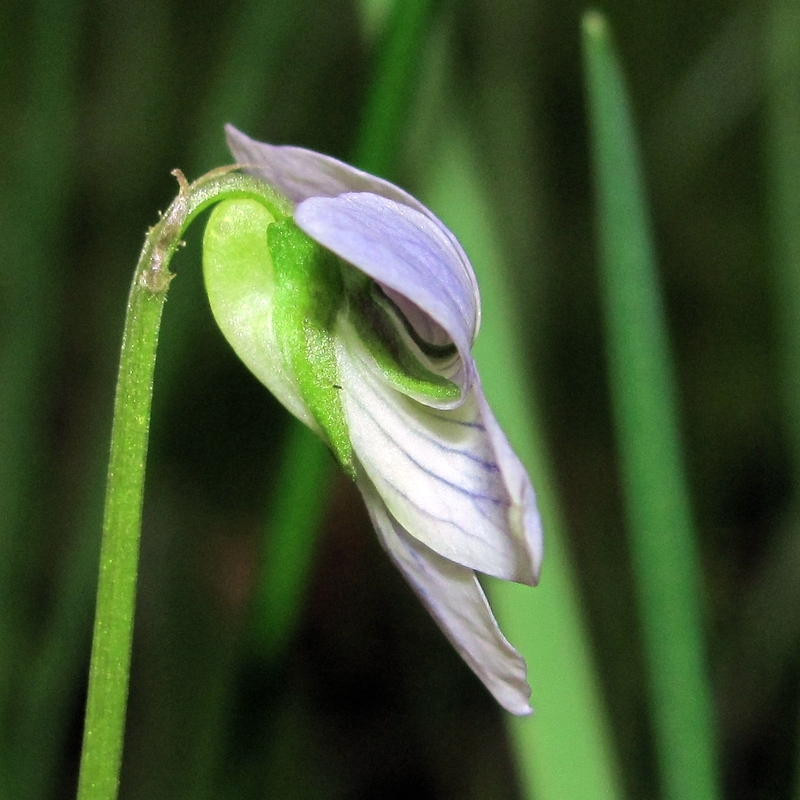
[113, 628]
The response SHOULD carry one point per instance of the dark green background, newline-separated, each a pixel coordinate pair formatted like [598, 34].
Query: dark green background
[99, 101]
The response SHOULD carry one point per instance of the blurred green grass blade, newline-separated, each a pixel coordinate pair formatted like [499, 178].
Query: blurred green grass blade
[34, 187]
[253, 49]
[783, 164]
[661, 530]
[57, 672]
[783, 161]
[295, 515]
[394, 79]
[374, 14]
[32, 213]
[564, 750]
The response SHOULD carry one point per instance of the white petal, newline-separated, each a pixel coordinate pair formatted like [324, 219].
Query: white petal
[449, 477]
[404, 251]
[454, 598]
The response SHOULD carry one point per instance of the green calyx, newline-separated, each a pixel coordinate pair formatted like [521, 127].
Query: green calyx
[277, 296]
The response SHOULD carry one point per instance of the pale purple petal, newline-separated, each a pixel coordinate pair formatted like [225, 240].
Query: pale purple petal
[449, 477]
[524, 519]
[405, 252]
[301, 174]
[455, 600]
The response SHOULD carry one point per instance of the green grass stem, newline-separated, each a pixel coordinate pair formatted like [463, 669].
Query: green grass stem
[565, 749]
[662, 535]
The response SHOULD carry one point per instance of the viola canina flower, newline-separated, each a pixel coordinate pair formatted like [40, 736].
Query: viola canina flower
[358, 311]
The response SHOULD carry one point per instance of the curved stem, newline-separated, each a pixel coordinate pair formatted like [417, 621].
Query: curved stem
[119, 555]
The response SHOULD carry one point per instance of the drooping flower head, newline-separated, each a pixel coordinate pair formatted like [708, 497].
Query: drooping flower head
[361, 319]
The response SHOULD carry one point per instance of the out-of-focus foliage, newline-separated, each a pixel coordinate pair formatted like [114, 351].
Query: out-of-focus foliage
[99, 101]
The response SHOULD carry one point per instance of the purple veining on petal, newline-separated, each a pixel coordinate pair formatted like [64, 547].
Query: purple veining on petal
[447, 500]
[418, 422]
[478, 503]
[447, 419]
[455, 600]
[517, 482]
[446, 449]
[486, 466]
[452, 524]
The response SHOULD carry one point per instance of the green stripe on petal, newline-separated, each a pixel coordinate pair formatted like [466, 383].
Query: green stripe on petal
[412, 365]
[448, 476]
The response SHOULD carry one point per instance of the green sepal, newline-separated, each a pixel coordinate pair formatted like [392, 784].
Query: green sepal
[309, 294]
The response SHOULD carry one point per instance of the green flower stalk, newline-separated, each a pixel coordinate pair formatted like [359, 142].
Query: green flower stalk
[113, 629]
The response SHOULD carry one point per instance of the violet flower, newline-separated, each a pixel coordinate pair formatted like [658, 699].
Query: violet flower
[381, 368]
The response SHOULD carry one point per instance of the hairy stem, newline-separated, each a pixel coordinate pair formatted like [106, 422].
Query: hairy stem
[119, 555]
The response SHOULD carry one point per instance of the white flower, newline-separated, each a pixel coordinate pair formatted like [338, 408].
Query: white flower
[381, 367]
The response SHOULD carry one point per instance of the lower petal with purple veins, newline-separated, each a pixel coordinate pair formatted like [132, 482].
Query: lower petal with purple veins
[444, 475]
[456, 601]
